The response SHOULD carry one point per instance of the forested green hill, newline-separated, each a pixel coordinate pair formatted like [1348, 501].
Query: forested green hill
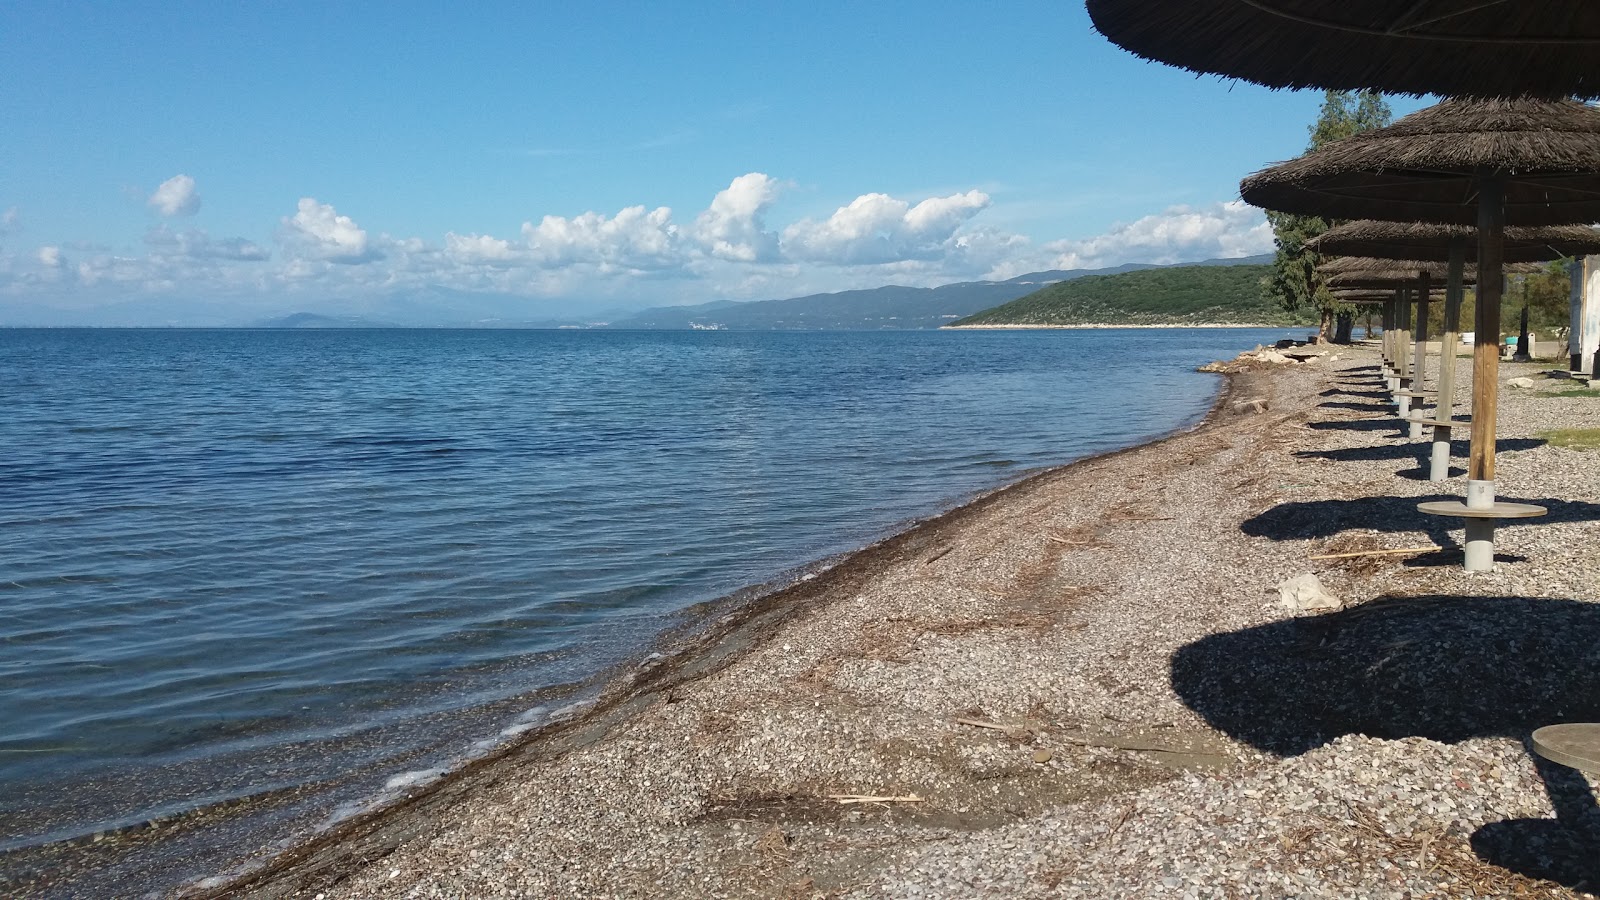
[1179, 295]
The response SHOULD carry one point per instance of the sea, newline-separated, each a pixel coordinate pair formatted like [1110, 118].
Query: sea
[249, 578]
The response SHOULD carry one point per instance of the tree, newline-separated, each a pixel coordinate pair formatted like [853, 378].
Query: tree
[1545, 300]
[1294, 283]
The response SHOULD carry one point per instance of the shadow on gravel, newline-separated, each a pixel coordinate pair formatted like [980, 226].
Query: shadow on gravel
[1358, 407]
[1350, 391]
[1451, 556]
[1420, 473]
[1565, 849]
[1382, 423]
[1440, 667]
[1305, 519]
[1445, 668]
[1414, 450]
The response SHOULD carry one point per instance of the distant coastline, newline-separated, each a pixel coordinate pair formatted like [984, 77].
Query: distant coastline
[1012, 327]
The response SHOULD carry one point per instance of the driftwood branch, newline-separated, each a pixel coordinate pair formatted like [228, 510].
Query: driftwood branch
[1375, 553]
[869, 798]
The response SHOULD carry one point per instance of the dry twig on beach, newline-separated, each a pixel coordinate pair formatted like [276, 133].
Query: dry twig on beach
[1397, 550]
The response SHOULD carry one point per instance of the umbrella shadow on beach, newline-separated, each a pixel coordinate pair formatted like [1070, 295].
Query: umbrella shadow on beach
[1565, 849]
[1413, 450]
[1446, 668]
[1307, 519]
[1358, 407]
[1381, 423]
[1352, 391]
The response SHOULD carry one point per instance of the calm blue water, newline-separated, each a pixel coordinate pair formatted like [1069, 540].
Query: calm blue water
[229, 557]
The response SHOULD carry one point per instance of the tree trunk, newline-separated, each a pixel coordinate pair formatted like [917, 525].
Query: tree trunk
[1346, 325]
[1524, 350]
[1326, 328]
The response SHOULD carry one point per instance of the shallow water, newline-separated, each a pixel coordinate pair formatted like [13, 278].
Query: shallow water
[234, 561]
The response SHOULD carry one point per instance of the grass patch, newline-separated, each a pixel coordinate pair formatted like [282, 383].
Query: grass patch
[1573, 438]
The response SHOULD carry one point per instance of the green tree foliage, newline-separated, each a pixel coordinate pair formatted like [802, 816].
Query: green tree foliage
[1293, 283]
[1546, 295]
[1176, 295]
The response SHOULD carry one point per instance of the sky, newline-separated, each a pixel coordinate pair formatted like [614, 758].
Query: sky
[215, 163]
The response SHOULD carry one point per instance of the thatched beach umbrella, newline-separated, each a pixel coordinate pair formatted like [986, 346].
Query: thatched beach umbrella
[1430, 166]
[1493, 162]
[1412, 277]
[1458, 246]
[1389, 298]
[1449, 47]
[1431, 242]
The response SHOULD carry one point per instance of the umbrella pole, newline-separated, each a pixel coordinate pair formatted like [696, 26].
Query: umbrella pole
[1402, 363]
[1445, 403]
[1421, 365]
[1388, 343]
[1575, 323]
[1485, 372]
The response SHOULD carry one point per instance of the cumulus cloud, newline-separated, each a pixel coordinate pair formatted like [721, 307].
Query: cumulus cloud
[732, 227]
[878, 228]
[176, 196]
[196, 244]
[634, 239]
[51, 257]
[317, 231]
[1178, 234]
[481, 249]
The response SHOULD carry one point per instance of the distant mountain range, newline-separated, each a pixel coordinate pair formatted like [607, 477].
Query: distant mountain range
[891, 307]
[1176, 295]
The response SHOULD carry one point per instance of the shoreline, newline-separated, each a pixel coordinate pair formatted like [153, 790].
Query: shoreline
[1010, 680]
[1048, 609]
[1097, 325]
[706, 638]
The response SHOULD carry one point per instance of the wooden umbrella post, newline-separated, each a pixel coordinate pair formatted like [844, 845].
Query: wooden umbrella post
[1445, 403]
[1390, 316]
[1388, 341]
[1575, 323]
[1486, 341]
[1420, 367]
[1402, 361]
[1485, 372]
[1481, 510]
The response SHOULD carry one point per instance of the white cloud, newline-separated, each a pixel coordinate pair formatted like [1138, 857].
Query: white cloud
[317, 231]
[196, 244]
[638, 256]
[877, 228]
[732, 227]
[633, 239]
[1178, 234]
[176, 197]
[476, 249]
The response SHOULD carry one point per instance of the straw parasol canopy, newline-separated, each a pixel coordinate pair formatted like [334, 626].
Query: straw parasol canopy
[1427, 166]
[1472, 48]
[1395, 269]
[1357, 271]
[1419, 240]
[1363, 295]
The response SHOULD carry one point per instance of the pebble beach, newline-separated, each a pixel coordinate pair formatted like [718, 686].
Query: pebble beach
[1084, 685]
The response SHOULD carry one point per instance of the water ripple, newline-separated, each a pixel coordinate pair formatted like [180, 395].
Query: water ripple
[215, 544]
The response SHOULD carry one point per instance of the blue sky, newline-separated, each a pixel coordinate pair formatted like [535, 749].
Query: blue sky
[219, 162]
